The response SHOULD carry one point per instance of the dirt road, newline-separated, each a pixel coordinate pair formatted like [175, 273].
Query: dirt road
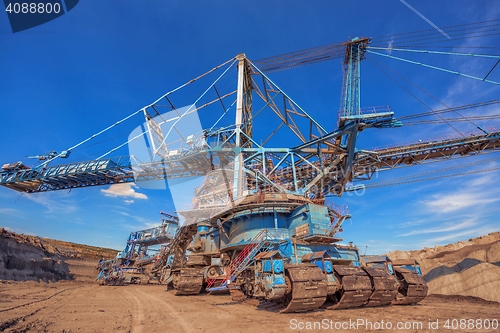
[81, 307]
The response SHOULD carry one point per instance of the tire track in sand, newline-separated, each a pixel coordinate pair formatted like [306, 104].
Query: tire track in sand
[37, 318]
[138, 314]
[39, 300]
[186, 327]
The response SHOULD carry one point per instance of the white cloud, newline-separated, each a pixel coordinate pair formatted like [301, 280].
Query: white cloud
[391, 42]
[461, 235]
[411, 223]
[143, 222]
[484, 180]
[55, 202]
[124, 190]
[128, 201]
[455, 213]
[9, 211]
[379, 247]
[446, 228]
[445, 203]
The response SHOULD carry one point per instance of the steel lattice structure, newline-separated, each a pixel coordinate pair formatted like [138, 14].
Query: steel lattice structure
[324, 162]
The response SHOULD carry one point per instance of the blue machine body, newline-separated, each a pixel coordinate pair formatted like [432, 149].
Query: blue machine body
[294, 235]
[297, 233]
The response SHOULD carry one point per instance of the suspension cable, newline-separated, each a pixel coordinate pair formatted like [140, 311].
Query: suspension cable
[461, 26]
[451, 168]
[435, 52]
[451, 109]
[433, 67]
[373, 185]
[428, 94]
[418, 99]
[434, 121]
[90, 138]
[189, 109]
[433, 34]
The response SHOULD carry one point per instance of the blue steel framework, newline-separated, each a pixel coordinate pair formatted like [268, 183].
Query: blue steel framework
[139, 242]
[327, 161]
[279, 189]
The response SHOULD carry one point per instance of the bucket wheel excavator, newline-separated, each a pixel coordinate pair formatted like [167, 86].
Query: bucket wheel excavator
[259, 225]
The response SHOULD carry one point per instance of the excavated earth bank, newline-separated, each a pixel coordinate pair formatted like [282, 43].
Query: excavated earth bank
[24, 258]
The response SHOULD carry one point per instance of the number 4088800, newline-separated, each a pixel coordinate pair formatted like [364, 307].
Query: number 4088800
[33, 8]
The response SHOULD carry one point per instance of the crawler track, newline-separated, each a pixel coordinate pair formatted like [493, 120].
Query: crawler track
[412, 287]
[189, 281]
[355, 287]
[385, 287]
[306, 288]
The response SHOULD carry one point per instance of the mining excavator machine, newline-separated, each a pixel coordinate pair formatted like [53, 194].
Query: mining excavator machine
[134, 264]
[260, 224]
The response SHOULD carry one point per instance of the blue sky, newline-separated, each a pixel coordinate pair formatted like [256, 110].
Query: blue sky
[65, 80]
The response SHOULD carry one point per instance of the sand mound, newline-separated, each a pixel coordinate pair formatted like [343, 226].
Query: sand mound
[469, 268]
[445, 270]
[482, 280]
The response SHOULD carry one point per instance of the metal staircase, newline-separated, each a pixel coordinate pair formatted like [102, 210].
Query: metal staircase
[262, 242]
[338, 214]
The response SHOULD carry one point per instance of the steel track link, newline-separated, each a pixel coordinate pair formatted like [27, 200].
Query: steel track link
[412, 287]
[308, 288]
[355, 287]
[384, 285]
[190, 281]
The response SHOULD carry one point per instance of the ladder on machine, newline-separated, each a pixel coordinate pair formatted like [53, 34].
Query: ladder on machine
[260, 243]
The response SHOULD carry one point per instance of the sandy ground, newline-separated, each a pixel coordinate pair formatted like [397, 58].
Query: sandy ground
[85, 307]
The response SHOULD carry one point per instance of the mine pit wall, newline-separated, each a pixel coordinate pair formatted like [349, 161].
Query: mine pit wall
[24, 261]
[83, 270]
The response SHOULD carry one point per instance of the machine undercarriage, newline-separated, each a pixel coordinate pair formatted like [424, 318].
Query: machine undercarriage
[289, 257]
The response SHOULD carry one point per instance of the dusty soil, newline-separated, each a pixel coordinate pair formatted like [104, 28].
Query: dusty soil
[84, 307]
[81, 305]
